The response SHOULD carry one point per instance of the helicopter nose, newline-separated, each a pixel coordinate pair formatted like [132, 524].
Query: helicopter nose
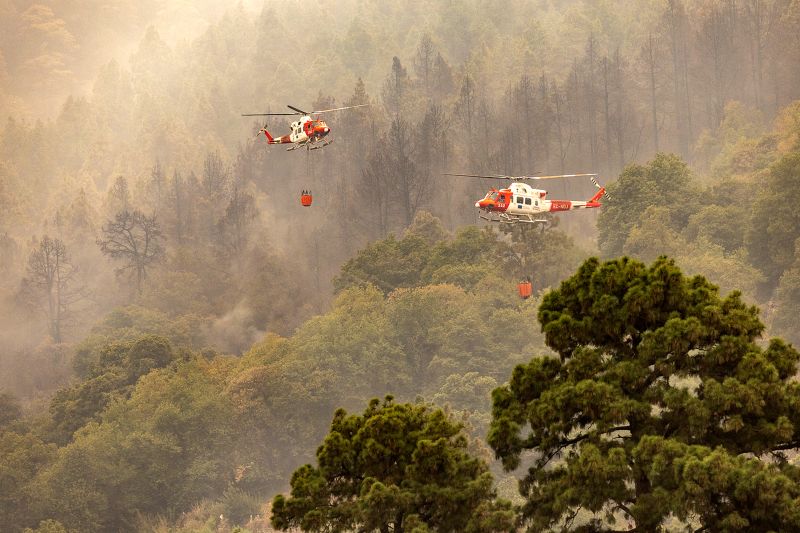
[477, 204]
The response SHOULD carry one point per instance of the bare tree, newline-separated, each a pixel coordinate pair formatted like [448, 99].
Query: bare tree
[575, 105]
[234, 226]
[650, 58]
[119, 196]
[762, 19]
[607, 114]
[624, 119]
[50, 284]
[484, 115]
[431, 140]
[135, 239]
[391, 172]
[716, 43]
[544, 122]
[376, 191]
[411, 183]
[465, 110]
[590, 91]
[395, 88]
[675, 23]
[177, 198]
[424, 62]
[755, 16]
[784, 55]
[442, 77]
[563, 126]
[215, 176]
[156, 185]
[523, 104]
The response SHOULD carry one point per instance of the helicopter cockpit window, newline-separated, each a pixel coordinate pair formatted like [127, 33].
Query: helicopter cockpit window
[493, 196]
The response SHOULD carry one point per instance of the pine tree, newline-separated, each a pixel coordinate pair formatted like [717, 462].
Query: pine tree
[659, 404]
[397, 467]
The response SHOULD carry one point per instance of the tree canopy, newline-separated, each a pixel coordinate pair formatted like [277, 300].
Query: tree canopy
[396, 467]
[664, 181]
[775, 223]
[660, 403]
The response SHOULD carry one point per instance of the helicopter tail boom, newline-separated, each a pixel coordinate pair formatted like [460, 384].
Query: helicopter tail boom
[284, 139]
[596, 198]
[595, 201]
[270, 140]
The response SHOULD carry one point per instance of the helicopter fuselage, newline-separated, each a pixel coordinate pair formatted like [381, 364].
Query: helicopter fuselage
[307, 130]
[522, 203]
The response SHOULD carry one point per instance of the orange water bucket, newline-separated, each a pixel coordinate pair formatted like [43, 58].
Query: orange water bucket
[305, 198]
[525, 289]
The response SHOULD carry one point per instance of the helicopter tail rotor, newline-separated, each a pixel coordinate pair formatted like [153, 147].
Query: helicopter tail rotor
[603, 189]
[263, 130]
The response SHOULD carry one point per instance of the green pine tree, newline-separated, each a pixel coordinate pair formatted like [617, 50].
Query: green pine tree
[397, 467]
[660, 405]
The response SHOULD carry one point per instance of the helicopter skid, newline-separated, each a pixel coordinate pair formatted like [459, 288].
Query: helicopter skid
[505, 218]
[323, 145]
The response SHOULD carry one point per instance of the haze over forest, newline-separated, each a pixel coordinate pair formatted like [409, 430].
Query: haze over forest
[159, 388]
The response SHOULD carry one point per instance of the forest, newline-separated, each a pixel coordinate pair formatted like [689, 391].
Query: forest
[185, 347]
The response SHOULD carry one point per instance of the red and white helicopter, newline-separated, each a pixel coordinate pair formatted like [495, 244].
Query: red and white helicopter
[522, 203]
[306, 131]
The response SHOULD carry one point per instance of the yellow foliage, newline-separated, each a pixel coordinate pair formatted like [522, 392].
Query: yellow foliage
[787, 126]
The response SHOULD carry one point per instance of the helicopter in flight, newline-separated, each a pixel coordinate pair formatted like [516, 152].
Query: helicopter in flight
[521, 203]
[306, 131]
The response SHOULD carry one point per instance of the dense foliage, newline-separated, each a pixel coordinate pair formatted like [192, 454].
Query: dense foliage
[658, 381]
[396, 467]
[425, 255]
[737, 229]
[595, 87]
[659, 404]
[156, 425]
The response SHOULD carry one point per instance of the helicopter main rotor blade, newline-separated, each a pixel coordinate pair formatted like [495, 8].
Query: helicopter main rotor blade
[518, 178]
[553, 177]
[338, 109]
[298, 111]
[490, 177]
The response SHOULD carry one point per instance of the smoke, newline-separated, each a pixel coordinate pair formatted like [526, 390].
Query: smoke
[50, 50]
[234, 332]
